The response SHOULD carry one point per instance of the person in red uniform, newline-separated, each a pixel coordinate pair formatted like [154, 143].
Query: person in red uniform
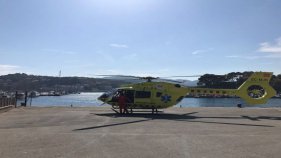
[122, 103]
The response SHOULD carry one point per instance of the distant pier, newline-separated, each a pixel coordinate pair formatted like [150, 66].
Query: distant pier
[7, 103]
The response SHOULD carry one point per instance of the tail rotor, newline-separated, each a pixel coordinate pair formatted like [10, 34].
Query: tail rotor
[256, 89]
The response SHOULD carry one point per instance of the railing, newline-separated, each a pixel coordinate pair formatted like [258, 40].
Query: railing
[7, 101]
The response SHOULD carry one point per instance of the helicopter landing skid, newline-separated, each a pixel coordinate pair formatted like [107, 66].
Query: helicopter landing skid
[115, 110]
[154, 110]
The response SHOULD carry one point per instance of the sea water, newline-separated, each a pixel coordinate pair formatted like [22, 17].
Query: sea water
[90, 99]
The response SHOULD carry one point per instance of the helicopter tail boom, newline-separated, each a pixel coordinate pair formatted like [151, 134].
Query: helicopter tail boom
[255, 90]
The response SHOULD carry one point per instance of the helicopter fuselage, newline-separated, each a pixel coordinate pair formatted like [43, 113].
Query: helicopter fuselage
[147, 95]
[159, 95]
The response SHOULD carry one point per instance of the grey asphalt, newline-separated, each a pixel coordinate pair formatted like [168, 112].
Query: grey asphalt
[177, 132]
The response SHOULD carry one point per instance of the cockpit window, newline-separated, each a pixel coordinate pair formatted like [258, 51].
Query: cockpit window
[116, 95]
[143, 94]
[112, 91]
[109, 94]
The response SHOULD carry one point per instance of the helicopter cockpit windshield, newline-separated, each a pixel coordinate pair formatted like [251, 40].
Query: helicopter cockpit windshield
[107, 95]
[113, 95]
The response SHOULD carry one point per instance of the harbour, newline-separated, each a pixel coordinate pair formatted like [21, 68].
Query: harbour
[90, 100]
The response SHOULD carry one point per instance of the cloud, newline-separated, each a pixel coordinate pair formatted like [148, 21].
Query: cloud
[271, 48]
[115, 45]
[200, 51]
[245, 57]
[112, 71]
[196, 52]
[8, 69]
[253, 57]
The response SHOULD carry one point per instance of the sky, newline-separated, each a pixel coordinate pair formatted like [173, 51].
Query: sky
[139, 37]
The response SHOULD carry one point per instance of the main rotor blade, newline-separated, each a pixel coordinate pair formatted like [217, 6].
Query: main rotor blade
[133, 77]
[121, 76]
[118, 76]
[187, 76]
[149, 78]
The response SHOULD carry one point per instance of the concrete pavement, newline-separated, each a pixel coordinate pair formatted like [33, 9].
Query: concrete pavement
[177, 132]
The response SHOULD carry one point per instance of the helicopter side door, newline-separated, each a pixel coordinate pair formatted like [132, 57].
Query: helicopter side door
[130, 96]
[143, 98]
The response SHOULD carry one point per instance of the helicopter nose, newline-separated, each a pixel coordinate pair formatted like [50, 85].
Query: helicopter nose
[103, 97]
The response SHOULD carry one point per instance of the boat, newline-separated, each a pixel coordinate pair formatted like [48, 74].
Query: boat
[20, 96]
[34, 94]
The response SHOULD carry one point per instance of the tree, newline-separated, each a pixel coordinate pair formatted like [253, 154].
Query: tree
[229, 81]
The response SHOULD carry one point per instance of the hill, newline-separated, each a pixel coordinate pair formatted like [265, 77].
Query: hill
[24, 82]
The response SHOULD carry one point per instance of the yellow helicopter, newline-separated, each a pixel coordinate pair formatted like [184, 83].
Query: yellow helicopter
[158, 95]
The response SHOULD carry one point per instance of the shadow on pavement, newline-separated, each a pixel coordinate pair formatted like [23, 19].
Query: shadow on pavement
[188, 117]
[115, 124]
